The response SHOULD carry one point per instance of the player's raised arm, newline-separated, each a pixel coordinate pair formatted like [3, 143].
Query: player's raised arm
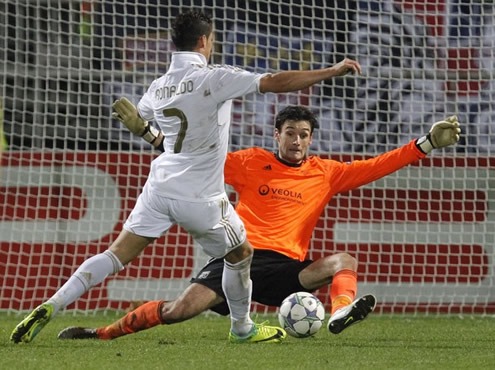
[287, 81]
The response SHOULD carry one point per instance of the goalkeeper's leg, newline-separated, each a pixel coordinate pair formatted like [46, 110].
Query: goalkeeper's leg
[194, 300]
[92, 272]
[340, 270]
[144, 317]
[347, 311]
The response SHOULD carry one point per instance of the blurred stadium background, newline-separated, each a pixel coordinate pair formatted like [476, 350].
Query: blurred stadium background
[424, 237]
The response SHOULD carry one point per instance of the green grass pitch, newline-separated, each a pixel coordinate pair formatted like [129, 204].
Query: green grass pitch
[380, 342]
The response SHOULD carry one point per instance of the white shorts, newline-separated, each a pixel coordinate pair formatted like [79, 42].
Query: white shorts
[214, 225]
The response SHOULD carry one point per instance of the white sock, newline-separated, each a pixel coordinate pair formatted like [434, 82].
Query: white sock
[92, 272]
[237, 286]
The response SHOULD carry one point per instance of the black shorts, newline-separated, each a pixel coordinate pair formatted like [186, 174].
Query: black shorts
[273, 274]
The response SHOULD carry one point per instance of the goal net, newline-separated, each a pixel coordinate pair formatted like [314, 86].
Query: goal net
[424, 236]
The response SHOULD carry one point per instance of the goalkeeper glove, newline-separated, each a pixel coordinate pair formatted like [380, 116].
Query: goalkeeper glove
[442, 134]
[127, 113]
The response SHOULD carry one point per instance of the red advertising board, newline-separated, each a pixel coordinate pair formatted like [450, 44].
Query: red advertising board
[51, 207]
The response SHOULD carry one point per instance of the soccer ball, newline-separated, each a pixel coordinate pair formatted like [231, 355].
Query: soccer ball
[301, 314]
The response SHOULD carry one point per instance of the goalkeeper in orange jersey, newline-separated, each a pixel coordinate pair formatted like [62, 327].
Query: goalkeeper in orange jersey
[281, 197]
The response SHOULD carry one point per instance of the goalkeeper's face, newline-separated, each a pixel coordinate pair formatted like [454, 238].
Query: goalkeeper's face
[294, 140]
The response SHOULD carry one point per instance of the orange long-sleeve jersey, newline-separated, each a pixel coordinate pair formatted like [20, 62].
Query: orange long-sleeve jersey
[280, 204]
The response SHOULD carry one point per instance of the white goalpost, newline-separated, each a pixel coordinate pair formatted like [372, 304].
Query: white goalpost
[424, 236]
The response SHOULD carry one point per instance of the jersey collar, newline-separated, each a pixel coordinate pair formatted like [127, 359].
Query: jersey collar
[183, 57]
[288, 163]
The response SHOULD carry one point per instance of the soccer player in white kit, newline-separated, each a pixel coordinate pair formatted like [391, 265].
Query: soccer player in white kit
[192, 105]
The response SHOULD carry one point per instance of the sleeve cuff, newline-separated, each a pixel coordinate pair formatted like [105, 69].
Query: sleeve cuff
[424, 144]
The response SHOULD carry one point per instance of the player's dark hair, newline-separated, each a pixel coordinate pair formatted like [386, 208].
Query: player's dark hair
[295, 113]
[188, 27]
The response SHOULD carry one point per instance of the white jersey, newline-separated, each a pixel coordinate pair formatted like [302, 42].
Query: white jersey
[192, 105]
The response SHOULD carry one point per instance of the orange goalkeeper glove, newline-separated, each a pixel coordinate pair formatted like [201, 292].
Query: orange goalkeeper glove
[442, 134]
[127, 113]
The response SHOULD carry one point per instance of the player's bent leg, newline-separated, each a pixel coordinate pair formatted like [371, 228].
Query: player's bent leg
[260, 333]
[28, 328]
[91, 272]
[351, 314]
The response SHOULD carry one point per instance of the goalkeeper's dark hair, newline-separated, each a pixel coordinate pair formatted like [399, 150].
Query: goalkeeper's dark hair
[188, 27]
[295, 113]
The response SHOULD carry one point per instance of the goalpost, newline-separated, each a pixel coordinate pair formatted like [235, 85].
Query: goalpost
[424, 236]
